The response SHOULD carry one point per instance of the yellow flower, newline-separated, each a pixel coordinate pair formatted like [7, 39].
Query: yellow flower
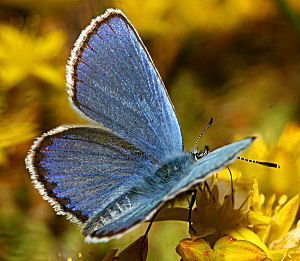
[213, 219]
[195, 249]
[14, 130]
[24, 54]
[227, 233]
[226, 248]
[276, 234]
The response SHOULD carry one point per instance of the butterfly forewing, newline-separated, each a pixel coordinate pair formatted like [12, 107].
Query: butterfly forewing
[113, 80]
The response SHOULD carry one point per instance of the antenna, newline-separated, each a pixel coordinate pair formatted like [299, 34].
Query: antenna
[267, 164]
[208, 125]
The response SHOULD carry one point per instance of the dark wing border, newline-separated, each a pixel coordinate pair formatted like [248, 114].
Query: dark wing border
[40, 183]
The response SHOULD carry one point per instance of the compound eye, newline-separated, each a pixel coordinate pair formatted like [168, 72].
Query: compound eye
[206, 150]
[198, 155]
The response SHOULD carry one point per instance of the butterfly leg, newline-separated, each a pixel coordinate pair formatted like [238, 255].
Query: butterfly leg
[146, 234]
[193, 199]
[231, 182]
[208, 190]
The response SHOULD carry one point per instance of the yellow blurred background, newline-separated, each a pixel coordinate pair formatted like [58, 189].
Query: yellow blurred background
[234, 60]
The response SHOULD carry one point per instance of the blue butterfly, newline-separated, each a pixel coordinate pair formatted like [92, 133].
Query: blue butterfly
[115, 174]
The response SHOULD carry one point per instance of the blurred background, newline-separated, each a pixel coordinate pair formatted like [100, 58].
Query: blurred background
[234, 60]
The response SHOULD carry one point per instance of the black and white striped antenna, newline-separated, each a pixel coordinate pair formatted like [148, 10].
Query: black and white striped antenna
[208, 125]
[263, 163]
[267, 164]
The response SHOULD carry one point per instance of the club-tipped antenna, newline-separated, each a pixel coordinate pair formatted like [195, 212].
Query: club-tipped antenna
[208, 125]
[267, 164]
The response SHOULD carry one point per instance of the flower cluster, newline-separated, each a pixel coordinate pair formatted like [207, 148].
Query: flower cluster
[257, 232]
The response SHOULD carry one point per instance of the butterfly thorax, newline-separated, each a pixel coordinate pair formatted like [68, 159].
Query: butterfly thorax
[172, 169]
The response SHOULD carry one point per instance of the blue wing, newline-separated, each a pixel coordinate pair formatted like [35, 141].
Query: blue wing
[211, 163]
[123, 214]
[113, 80]
[80, 170]
[143, 200]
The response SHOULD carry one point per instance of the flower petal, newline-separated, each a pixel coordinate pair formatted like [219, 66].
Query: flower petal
[284, 219]
[196, 249]
[242, 233]
[289, 240]
[227, 248]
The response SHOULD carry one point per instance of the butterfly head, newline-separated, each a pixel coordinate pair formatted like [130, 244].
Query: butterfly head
[198, 154]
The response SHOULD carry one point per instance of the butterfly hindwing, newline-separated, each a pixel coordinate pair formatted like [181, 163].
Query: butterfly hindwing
[113, 80]
[80, 170]
[122, 215]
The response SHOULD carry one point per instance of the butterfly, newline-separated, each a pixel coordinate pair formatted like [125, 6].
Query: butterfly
[116, 172]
